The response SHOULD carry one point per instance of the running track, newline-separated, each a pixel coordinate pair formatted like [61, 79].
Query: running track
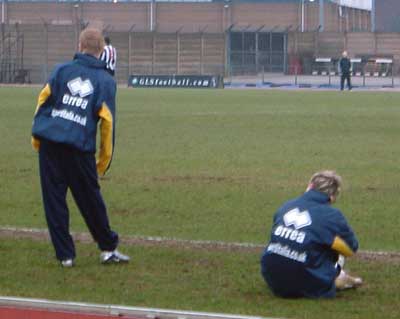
[16, 313]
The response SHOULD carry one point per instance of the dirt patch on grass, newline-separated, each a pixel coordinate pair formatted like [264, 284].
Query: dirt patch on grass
[42, 235]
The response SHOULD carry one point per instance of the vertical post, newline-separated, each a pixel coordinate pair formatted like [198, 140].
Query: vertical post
[9, 55]
[321, 15]
[257, 55]
[152, 15]
[76, 18]
[227, 54]
[3, 11]
[263, 75]
[2, 74]
[392, 75]
[373, 16]
[302, 15]
[201, 52]
[285, 57]
[18, 47]
[153, 53]
[178, 53]
[316, 43]
[242, 53]
[46, 52]
[130, 44]
[270, 51]
[363, 72]
[129, 53]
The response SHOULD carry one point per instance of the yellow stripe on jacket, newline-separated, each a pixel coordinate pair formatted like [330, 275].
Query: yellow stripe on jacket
[43, 96]
[106, 139]
[341, 247]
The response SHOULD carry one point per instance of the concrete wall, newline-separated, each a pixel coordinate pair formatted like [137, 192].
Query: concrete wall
[138, 52]
[387, 15]
[212, 17]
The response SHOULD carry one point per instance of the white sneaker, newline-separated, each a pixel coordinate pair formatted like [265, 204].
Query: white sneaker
[113, 257]
[345, 281]
[67, 263]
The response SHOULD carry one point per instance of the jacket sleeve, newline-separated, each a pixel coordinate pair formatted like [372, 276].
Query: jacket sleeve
[44, 95]
[344, 240]
[106, 114]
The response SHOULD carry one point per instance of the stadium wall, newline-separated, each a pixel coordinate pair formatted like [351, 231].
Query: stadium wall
[387, 15]
[186, 38]
[189, 17]
[138, 52]
[186, 53]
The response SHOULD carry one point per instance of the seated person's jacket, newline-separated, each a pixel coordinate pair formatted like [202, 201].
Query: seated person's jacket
[307, 236]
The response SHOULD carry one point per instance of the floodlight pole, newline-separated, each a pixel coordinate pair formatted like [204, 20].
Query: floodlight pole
[373, 16]
[152, 8]
[321, 15]
[3, 11]
[302, 15]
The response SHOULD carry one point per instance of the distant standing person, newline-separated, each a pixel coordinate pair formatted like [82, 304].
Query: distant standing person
[308, 238]
[109, 56]
[77, 96]
[345, 71]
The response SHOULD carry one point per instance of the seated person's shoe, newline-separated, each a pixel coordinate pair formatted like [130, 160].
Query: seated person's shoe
[345, 281]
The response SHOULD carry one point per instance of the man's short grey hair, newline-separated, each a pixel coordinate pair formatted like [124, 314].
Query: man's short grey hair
[327, 182]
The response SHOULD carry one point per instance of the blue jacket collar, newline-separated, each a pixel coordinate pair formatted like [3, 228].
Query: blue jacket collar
[316, 196]
[89, 60]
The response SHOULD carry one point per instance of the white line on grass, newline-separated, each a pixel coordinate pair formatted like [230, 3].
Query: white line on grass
[37, 233]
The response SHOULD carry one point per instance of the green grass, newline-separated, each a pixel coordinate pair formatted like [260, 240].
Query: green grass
[187, 280]
[215, 165]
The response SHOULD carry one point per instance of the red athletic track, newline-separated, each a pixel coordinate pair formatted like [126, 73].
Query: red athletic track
[18, 313]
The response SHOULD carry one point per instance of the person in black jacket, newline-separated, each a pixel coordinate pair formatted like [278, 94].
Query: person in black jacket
[345, 71]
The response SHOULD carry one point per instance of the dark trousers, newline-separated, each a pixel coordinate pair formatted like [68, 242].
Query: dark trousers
[343, 77]
[62, 167]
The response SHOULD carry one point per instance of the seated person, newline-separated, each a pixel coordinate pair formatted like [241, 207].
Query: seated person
[309, 240]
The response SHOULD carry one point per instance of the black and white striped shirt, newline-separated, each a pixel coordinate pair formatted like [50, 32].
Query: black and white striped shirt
[109, 56]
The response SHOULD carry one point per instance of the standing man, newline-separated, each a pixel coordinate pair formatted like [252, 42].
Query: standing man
[308, 236]
[345, 71]
[109, 56]
[77, 95]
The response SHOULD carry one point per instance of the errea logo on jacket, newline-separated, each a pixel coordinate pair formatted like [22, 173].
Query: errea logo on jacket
[297, 219]
[77, 86]
[78, 89]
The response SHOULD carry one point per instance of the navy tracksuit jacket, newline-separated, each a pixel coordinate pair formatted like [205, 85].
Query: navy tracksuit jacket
[76, 97]
[307, 236]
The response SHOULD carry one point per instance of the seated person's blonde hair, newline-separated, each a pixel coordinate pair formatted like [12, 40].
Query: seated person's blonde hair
[91, 41]
[327, 182]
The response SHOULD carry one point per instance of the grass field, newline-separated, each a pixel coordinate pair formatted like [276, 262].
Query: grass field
[213, 165]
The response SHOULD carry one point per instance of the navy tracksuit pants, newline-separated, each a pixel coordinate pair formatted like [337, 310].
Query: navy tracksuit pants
[63, 167]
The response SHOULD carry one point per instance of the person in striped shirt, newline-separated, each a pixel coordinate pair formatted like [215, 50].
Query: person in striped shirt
[109, 56]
